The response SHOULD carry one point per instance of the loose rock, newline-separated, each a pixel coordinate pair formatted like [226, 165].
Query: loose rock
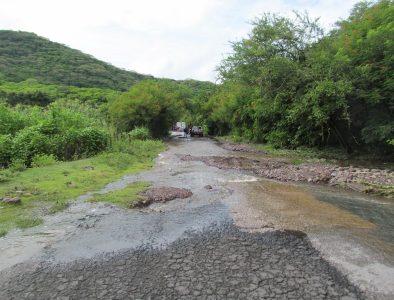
[279, 169]
[239, 147]
[162, 194]
[12, 200]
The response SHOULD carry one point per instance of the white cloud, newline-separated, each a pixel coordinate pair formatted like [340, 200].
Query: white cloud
[173, 38]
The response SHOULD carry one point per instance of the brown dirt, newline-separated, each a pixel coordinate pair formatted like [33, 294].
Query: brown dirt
[161, 194]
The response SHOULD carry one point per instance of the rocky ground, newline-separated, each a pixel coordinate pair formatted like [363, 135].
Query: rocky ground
[239, 147]
[219, 263]
[359, 179]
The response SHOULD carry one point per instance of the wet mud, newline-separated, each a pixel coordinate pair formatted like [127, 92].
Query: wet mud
[244, 237]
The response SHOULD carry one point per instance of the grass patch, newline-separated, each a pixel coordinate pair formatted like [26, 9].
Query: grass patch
[55, 185]
[59, 206]
[26, 222]
[296, 161]
[383, 190]
[126, 197]
[3, 233]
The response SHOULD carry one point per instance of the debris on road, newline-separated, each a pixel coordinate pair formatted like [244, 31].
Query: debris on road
[161, 194]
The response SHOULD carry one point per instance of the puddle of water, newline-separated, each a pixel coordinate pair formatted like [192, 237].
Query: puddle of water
[292, 207]
[377, 212]
[357, 236]
[135, 229]
[244, 178]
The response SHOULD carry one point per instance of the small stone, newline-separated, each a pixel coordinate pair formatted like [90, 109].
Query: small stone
[208, 187]
[12, 200]
[88, 168]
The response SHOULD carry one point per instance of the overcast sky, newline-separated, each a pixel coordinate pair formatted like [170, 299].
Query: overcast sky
[169, 38]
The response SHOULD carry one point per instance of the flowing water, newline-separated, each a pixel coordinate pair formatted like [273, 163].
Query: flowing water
[354, 232]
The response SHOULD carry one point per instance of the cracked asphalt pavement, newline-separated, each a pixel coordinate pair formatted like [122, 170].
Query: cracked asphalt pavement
[218, 263]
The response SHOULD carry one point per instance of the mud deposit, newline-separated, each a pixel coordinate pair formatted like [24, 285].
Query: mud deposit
[234, 236]
[221, 262]
[162, 194]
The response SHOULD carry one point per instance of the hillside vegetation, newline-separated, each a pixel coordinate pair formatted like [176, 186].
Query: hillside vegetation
[31, 92]
[25, 55]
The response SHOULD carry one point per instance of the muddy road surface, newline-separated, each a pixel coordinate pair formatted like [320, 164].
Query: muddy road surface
[238, 236]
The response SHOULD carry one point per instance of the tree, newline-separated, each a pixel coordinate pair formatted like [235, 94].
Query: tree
[155, 104]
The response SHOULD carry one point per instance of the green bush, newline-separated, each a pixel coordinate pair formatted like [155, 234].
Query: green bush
[93, 141]
[10, 120]
[64, 130]
[42, 160]
[18, 165]
[75, 143]
[140, 133]
[29, 142]
[5, 150]
[5, 175]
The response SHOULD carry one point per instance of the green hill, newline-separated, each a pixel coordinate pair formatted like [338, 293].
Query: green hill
[25, 55]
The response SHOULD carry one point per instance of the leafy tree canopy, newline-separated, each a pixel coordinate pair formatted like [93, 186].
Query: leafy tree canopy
[155, 104]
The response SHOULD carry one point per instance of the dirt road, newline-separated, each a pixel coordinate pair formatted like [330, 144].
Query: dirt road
[243, 238]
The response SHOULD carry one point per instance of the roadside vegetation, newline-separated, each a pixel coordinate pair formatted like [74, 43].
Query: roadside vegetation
[49, 189]
[290, 85]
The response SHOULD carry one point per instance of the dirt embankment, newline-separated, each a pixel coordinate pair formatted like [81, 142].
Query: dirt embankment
[363, 180]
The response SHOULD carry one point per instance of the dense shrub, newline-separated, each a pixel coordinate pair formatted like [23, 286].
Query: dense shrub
[17, 165]
[140, 133]
[10, 120]
[5, 150]
[32, 135]
[29, 142]
[75, 143]
[5, 175]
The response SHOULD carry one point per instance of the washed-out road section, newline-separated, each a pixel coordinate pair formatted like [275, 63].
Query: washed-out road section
[246, 238]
